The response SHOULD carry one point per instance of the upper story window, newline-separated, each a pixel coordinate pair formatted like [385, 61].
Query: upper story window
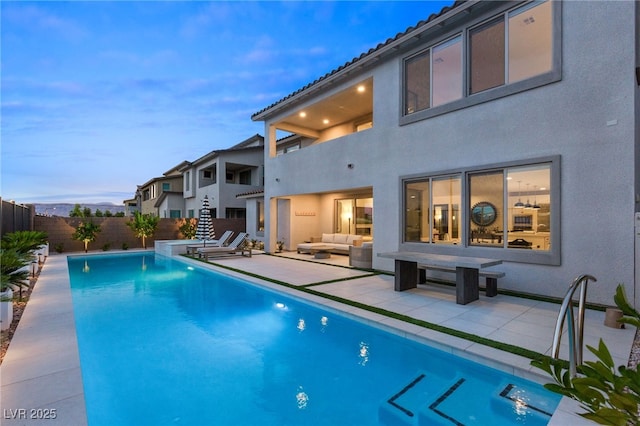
[187, 181]
[244, 177]
[166, 187]
[207, 176]
[514, 46]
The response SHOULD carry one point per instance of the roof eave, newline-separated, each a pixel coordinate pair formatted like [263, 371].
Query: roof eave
[387, 48]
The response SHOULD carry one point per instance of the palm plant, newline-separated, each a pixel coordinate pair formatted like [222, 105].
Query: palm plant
[24, 241]
[12, 272]
[16, 252]
[86, 232]
[143, 226]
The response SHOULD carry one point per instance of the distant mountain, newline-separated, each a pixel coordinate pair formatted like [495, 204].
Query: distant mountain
[63, 209]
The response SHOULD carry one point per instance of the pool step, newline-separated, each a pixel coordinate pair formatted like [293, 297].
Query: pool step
[528, 403]
[429, 399]
[403, 407]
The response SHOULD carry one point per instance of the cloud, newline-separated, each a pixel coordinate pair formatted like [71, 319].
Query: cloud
[37, 20]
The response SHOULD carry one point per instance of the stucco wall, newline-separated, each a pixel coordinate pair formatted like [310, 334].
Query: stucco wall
[587, 118]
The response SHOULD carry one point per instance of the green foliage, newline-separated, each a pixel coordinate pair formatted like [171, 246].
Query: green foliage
[76, 212]
[188, 227]
[107, 213]
[11, 263]
[86, 232]
[106, 247]
[609, 395]
[98, 213]
[24, 241]
[119, 214]
[16, 252]
[143, 226]
[125, 246]
[59, 247]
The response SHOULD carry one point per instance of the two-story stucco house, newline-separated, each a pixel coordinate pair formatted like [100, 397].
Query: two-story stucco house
[162, 196]
[504, 130]
[221, 175]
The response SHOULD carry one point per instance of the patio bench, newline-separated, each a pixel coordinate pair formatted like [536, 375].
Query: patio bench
[491, 277]
[467, 271]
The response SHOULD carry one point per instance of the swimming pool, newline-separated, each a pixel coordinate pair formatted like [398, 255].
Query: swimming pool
[162, 342]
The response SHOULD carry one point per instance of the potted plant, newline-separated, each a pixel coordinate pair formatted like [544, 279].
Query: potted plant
[279, 245]
[13, 275]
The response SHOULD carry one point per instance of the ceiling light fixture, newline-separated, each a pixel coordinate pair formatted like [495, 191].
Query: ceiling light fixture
[519, 204]
[535, 198]
[325, 121]
[302, 114]
[361, 89]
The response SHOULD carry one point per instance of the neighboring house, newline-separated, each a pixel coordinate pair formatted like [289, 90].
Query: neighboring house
[493, 129]
[162, 196]
[131, 206]
[221, 175]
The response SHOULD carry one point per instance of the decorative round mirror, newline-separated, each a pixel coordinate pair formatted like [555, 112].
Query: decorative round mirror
[483, 213]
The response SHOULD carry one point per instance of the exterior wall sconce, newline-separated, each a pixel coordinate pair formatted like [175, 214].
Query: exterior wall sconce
[350, 166]
[277, 179]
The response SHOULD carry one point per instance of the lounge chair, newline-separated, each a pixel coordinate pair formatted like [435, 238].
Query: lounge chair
[238, 245]
[220, 242]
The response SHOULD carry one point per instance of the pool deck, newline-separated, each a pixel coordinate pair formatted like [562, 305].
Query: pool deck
[41, 376]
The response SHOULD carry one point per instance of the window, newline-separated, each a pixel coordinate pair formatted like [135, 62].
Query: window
[486, 44]
[260, 216]
[513, 46]
[187, 180]
[235, 213]
[432, 210]
[354, 216]
[190, 213]
[207, 176]
[175, 214]
[530, 41]
[166, 187]
[513, 207]
[230, 176]
[288, 149]
[245, 177]
[417, 83]
[447, 71]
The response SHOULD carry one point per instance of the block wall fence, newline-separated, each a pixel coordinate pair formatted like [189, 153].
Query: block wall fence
[115, 232]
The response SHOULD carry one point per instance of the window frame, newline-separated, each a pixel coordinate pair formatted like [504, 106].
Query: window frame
[504, 90]
[464, 248]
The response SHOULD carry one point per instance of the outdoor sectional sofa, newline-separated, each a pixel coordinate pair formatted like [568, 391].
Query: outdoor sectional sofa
[339, 243]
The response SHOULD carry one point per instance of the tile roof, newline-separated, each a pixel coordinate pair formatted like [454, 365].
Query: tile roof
[250, 193]
[370, 53]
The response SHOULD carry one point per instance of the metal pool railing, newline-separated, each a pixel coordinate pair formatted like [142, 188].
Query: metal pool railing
[574, 325]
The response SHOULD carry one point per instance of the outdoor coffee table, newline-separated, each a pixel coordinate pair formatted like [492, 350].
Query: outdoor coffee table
[321, 252]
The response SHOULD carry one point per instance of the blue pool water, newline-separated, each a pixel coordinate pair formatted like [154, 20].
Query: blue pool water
[162, 343]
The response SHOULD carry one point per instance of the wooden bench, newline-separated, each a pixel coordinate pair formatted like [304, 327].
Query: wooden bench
[491, 277]
[467, 271]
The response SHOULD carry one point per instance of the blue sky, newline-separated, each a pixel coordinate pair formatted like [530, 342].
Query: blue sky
[98, 97]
